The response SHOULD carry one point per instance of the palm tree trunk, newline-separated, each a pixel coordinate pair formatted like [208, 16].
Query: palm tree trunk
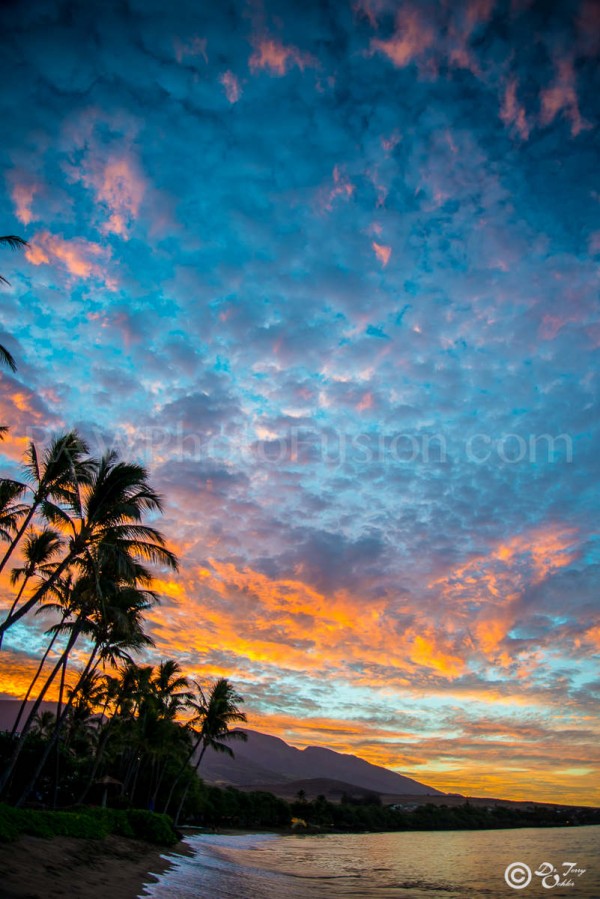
[58, 717]
[161, 774]
[7, 773]
[96, 764]
[187, 789]
[15, 603]
[179, 773]
[33, 683]
[29, 604]
[54, 740]
[15, 541]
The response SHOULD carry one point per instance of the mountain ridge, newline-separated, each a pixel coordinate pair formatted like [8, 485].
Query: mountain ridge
[269, 760]
[264, 754]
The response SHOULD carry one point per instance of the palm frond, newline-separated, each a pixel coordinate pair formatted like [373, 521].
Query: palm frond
[5, 357]
[14, 242]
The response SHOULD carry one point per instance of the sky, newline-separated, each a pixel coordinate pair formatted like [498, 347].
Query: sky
[330, 270]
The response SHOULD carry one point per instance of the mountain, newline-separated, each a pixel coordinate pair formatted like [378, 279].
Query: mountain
[266, 762]
[269, 761]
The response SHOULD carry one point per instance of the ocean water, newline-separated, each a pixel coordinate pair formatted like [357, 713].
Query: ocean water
[449, 864]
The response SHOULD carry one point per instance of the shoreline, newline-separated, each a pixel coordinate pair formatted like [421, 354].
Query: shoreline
[119, 867]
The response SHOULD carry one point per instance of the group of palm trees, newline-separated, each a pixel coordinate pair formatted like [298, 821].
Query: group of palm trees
[81, 553]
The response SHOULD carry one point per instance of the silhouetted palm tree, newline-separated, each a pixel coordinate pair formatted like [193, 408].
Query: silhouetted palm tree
[14, 243]
[215, 712]
[106, 510]
[53, 478]
[12, 509]
[109, 613]
[171, 688]
[39, 550]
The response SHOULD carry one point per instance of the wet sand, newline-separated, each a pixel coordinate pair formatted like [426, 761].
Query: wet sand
[115, 867]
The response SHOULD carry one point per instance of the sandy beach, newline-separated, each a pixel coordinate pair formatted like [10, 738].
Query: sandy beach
[34, 868]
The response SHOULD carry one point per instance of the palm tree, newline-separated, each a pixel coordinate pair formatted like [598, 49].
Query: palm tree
[39, 550]
[11, 509]
[106, 510]
[14, 243]
[43, 724]
[172, 689]
[116, 699]
[215, 712]
[53, 479]
[109, 613]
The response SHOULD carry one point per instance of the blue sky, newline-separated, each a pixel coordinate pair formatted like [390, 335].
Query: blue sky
[331, 271]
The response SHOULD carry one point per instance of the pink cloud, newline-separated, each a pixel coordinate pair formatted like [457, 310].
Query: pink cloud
[467, 17]
[119, 187]
[231, 84]
[196, 46]
[388, 143]
[272, 55]
[588, 28]
[108, 166]
[412, 37]
[561, 97]
[369, 9]
[478, 11]
[365, 403]
[23, 189]
[551, 325]
[512, 112]
[382, 252]
[342, 187]
[81, 258]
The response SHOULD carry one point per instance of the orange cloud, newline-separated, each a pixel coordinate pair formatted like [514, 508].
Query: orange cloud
[382, 252]
[487, 587]
[271, 55]
[524, 559]
[512, 112]
[412, 37]
[231, 84]
[81, 258]
[220, 620]
[427, 651]
[561, 97]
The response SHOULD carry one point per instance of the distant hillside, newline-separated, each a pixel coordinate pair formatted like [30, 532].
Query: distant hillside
[266, 760]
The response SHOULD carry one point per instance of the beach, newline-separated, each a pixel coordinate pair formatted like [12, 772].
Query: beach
[35, 868]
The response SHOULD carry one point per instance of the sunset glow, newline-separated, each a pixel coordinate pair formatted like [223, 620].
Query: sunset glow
[331, 273]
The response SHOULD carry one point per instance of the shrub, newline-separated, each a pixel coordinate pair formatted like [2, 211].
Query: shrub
[87, 823]
[110, 820]
[152, 827]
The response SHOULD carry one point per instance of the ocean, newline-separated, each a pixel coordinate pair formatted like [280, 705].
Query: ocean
[528, 862]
